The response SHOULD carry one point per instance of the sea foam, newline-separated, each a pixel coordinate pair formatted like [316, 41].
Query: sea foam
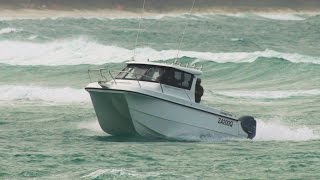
[277, 131]
[281, 16]
[47, 94]
[120, 173]
[92, 126]
[270, 94]
[83, 51]
[9, 30]
[111, 15]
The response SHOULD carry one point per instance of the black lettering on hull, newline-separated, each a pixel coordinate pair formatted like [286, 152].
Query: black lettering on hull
[225, 122]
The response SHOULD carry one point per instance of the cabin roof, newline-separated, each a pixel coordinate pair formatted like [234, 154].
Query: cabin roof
[175, 66]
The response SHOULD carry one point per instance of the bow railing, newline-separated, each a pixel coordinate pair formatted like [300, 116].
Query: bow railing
[138, 77]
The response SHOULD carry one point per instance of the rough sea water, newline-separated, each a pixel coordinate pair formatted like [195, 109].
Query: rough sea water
[261, 64]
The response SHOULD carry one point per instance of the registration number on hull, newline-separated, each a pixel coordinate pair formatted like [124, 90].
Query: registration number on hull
[225, 122]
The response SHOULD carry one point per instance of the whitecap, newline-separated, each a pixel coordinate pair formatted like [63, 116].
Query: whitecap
[119, 172]
[83, 51]
[281, 16]
[276, 94]
[9, 30]
[33, 37]
[47, 94]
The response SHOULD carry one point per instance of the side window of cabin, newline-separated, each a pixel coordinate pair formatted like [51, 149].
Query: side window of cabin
[165, 75]
[152, 74]
[177, 78]
[187, 81]
[137, 72]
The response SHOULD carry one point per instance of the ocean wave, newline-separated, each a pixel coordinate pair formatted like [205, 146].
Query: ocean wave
[47, 94]
[281, 16]
[32, 37]
[163, 6]
[9, 30]
[270, 94]
[119, 173]
[82, 51]
[115, 15]
[276, 131]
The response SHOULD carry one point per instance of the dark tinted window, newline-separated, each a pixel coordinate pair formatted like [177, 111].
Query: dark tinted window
[177, 78]
[153, 74]
[164, 75]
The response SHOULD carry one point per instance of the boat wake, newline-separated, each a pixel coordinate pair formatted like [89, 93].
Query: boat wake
[92, 126]
[277, 131]
[266, 131]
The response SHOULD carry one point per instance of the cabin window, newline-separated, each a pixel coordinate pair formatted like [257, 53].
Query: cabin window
[137, 72]
[124, 72]
[164, 75]
[177, 78]
[153, 74]
[187, 81]
[133, 72]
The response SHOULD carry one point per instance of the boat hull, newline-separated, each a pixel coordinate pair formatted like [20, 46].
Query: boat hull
[112, 112]
[132, 113]
[154, 117]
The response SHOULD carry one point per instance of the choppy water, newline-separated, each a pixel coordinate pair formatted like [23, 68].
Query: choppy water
[265, 65]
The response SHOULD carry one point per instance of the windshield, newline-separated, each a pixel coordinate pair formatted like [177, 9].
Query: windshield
[140, 72]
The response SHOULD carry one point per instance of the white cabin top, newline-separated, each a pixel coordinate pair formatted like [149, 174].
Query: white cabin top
[170, 79]
[193, 71]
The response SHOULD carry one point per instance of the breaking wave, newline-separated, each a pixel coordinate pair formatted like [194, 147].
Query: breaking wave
[9, 30]
[282, 17]
[100, 173]
[270, 94]
[81, 51]
[48, 94]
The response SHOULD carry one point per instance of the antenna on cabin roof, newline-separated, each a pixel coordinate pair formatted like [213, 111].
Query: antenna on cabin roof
[139, 29]
[184, 31]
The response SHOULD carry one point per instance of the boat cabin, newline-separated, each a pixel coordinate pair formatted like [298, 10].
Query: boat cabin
[173, 80]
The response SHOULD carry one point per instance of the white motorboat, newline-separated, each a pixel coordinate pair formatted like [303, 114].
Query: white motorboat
[161, 101]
